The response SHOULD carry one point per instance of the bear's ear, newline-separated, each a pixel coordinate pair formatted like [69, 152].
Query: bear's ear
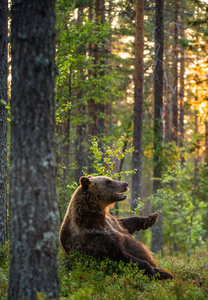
[84, 181]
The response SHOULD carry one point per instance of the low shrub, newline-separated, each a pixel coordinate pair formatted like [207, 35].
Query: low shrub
[83, 278]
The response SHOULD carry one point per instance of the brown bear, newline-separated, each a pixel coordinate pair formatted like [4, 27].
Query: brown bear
[89, 228]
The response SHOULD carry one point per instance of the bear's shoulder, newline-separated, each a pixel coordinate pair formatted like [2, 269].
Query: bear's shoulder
[112, 223]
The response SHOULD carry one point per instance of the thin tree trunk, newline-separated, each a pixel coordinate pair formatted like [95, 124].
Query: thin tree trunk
[138, 104]
[33, 203]
[108, 105]
[119, 172]
[181, 93]
[175, 83]
[92, 106]
[101, 106]
[167, 93]
[63, 132]
[80, 127]
[3, 119]
[206, 142]
[196, 160]
[157, 230]
[79, 142]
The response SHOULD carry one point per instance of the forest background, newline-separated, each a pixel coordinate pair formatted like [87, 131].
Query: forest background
[101, 124]
[95, 110]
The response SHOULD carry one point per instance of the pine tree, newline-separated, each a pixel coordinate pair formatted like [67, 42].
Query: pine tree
[157, 230]
[3, 120]
[138, 103]
[33, 203]
[175, 83]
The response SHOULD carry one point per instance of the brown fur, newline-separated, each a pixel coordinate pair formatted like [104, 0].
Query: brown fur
[89, 228]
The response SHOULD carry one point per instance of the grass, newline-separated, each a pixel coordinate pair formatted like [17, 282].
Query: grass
[82, 278]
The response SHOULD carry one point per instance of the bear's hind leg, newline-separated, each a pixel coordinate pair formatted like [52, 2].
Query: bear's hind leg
[162, 274]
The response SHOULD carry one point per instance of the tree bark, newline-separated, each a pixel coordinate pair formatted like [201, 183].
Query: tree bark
[92, 106]
[157, 230]
[138, 104]
[33, 203]
[206, 142]
[63, 131]
[108, 105]
[101, 107]
[81, 126]
[3, 119]
[181, 93]
[175, 84]
[167, 90]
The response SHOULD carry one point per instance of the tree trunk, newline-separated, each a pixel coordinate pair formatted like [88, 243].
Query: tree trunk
[175, 84]
[181, 93]
[196, 160]
[3, 119]
[80, 127]
[92, 106]
[138, 104]
[167, 92]
[108, 49]
[206, 142]
[63, 131]
[33, 203]
[157, 230]
[101, 107]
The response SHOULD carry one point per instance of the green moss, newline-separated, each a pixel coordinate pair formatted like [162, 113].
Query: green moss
[82, 277]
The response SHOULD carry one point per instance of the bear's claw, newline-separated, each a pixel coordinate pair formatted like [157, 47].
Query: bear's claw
[150, 220]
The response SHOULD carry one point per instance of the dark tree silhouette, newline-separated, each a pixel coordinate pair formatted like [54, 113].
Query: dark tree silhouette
[3, 120]
[157, 230]
[175, 83]
[138, 103]
[33, 203]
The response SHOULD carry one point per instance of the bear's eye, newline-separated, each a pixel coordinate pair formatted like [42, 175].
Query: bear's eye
[108, 182]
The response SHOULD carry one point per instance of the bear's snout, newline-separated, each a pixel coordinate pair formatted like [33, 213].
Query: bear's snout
[125, 186]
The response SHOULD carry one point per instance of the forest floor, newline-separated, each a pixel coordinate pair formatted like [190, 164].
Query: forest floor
[82, 278]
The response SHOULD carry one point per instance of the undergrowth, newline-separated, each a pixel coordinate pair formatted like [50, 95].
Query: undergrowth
[83, 278]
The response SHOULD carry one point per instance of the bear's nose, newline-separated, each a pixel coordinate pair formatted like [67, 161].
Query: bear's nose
[126, 183]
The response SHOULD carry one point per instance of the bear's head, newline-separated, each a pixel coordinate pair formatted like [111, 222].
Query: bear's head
[104, 189]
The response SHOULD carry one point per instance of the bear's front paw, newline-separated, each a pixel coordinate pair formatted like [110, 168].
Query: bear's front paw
[150, 220]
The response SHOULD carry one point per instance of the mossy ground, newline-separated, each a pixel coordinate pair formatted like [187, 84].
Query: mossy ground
[83, 278]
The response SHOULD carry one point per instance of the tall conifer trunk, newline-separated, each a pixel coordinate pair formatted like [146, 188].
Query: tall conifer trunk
[63, 132]
[33, 203]
[81, 126]
[138, 103]
[108, 49]
[92, 106]
[181, 93]
[175, 83]
[206, 142]
[3, 120]
[157, 230]
[167, 90]
[101, 107]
